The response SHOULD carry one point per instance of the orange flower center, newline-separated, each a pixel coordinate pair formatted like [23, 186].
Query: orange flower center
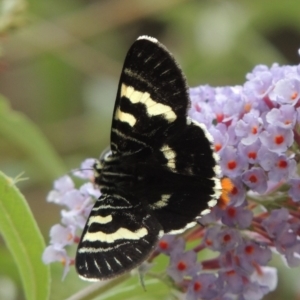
[163, 245]
[249, 249]
[197, 286]
[282, 164]
[231, 165]
[181, 266]
[234, 191]
[231, 211]
[252, 155]
[294, 95]
[278, 139]
[218, 147]
[254, 130]
[253, 179]
[227, 238]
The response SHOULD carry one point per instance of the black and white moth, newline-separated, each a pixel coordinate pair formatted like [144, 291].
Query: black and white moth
[161, 173]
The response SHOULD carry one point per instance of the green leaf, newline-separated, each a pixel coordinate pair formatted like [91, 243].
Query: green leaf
[19, 130]
[24, 240]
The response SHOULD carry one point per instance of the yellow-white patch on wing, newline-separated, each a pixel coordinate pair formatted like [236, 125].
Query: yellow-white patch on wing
[169, 155]
[205, 212]
[125, 117]
[153, 107]
[99, 219]
[162, 202]
[120, 234]
[212, 203]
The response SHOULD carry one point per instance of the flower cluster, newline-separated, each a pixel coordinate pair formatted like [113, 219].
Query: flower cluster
[77, 205]
[256, 133]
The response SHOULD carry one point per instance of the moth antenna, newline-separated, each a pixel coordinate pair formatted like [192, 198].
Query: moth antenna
[79, 169]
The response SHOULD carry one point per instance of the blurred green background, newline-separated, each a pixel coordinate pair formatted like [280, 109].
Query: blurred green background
[60, 63]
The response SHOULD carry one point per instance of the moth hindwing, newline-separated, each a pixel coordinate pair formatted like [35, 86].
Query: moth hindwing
[161, 173]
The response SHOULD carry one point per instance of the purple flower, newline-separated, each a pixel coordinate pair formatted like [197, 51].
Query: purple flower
[249, 128]
[284, 116]
[227, 103]
[277, 139]
[286, 91]
[238, 193]
[219, 239]
[202, 286]
[283, 168]
[266, 158]
[53, 254]
[88, 189]
[255, 179]
[254, 291]
[61, 186]
[277, 219]
[237, 216]
[233, 281]
[74, 200]
[250, 151]
[294, 191]
[86, 170]
[168, 243]
[232, 163]
[62, 236]
[266, 276]
[259, 85]
[220, 137]
[251, 254]
[182, 264]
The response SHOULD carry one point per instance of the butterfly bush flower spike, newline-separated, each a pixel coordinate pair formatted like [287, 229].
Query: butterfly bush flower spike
[256, 134]
[77, 206]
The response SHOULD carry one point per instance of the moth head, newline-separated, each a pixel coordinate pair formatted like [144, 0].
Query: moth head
[98, 165]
